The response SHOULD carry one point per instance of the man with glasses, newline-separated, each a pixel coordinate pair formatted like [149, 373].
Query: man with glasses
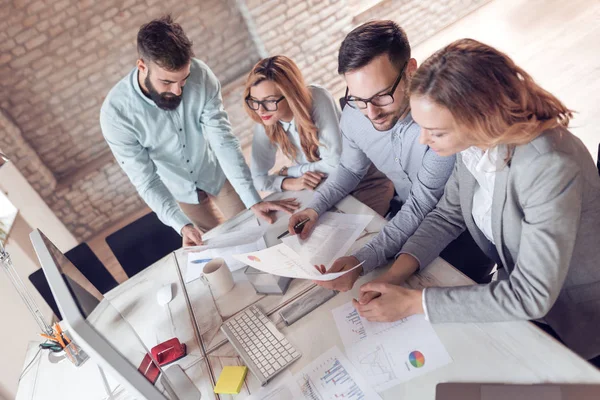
[377, 127]
[167, 128]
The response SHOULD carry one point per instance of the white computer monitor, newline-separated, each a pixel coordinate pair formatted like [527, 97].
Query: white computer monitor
[76, 305]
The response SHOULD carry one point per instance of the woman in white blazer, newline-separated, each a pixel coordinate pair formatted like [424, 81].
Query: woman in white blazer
[526, 189]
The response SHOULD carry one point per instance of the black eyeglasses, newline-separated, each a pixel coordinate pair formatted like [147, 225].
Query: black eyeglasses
[269, 105]
[379, 100]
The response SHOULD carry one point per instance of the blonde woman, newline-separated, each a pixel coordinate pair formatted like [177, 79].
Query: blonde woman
[302, 121]
[526, 189]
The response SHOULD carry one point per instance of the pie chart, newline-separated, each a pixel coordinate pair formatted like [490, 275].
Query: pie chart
[417, 359]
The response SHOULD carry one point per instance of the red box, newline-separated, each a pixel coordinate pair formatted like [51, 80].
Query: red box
[169, 351]
[149, 369]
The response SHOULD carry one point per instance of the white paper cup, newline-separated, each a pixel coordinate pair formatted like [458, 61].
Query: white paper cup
[218, 276]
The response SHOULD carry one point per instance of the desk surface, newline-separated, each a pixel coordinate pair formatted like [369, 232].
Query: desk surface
[515, 352]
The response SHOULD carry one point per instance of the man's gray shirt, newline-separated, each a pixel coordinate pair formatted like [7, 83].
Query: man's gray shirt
[418, 173]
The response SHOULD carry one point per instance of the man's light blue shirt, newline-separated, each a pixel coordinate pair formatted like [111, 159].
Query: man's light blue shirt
[168, 155]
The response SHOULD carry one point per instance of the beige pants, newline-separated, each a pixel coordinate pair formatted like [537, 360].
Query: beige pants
[214, 210]
[375, 190]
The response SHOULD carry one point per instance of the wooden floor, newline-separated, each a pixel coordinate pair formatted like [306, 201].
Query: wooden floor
[556, 41]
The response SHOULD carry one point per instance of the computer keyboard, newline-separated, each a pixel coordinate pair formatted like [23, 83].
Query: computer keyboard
[263, 348]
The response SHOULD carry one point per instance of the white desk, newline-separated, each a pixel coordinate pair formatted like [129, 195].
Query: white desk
[515, 352]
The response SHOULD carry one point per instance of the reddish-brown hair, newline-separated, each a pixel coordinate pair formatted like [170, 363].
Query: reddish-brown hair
[498, 102]
[287, 77]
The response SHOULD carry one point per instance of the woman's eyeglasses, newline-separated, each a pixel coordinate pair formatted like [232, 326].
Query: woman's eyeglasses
[268, 105]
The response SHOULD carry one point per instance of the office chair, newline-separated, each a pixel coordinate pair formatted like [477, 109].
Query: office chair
[91, 267]
[598, 159]
[38, 280]
[86, 261]
[142, 243]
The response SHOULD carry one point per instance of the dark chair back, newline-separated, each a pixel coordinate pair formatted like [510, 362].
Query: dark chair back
[91, 267]
[142, 243]
[38, 280]
[598, 160]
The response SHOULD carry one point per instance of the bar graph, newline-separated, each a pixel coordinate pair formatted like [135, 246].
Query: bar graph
[332, 377]
[337, 376]
[356, 325]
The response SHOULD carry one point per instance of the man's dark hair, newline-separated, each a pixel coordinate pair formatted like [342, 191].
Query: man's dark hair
[369, 41]
[164, 42]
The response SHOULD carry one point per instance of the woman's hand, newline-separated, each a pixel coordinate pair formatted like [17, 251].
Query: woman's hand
[310, 180]
[394, 303]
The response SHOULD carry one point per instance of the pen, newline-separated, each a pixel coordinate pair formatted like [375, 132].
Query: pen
[53, 338]
[297, 228]
[58, 333]
[299, 225]
[202, 260]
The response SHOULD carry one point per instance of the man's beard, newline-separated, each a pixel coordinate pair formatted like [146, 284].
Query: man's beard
[393, 116]
[165, 101]
[389, 124]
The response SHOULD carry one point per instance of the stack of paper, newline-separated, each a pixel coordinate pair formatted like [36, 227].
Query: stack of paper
[331, 238]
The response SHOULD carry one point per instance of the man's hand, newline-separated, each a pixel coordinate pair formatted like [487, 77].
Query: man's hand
[298, 217]
[264, 208]
[346, 281]
[310, 180]
[191, 236]
[395, 302]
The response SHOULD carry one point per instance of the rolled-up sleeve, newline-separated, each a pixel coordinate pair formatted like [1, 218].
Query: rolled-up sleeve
[225, 145]
[139, 167]
[424, 195]
[354, 165]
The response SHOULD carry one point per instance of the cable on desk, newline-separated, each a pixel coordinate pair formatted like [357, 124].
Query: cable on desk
[29, 365]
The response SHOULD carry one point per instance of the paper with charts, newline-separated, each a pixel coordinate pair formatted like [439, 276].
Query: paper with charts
[332, 377]
[331, 238]
[329, 377]
[247, 237]
[390, 353]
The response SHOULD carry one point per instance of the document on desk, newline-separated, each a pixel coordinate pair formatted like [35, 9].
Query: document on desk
[247, 238]
[390, 353]
[330, 239]
[279, 388]
[282, 261]
[332, 377]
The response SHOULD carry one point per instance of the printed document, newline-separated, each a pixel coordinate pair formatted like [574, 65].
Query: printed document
[247, 238]
[331, 238]
[390, 353]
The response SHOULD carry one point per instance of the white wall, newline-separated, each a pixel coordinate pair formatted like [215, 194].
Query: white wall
[13, 312]
[33, 208]
[33, 213]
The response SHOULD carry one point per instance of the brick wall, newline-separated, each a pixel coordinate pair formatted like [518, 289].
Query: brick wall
[59, 58]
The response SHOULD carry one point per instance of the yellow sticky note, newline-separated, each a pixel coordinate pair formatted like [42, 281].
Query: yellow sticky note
[231, 380]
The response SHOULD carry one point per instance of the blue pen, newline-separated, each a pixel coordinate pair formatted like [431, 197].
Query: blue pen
[202, 260]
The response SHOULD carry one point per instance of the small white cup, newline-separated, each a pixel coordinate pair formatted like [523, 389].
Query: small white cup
[218, 276]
